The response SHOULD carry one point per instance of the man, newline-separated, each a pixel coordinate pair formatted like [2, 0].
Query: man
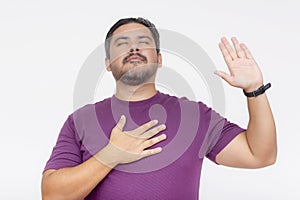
[141, 123]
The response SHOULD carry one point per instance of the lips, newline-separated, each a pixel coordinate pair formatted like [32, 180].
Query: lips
[135, 59]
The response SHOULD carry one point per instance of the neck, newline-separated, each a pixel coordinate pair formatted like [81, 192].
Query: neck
[135, 93]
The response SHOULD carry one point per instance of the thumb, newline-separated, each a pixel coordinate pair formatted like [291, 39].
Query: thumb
[226, 77]
[121, 123]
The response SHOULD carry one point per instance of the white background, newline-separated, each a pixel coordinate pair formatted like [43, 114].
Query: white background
[44, 44]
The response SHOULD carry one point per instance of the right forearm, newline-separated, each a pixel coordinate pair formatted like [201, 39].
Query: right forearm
[124, 147]
[77, 182]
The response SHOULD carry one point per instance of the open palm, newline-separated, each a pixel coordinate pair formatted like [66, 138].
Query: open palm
[244, 71]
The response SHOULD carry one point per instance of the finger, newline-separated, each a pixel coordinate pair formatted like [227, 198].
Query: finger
[150, 133]
[225, 76]
[247, 51]
[151, 142]
[150, 152]
[121, 122]
[141, 129]
[229, 48]
[225, 53]
[240, 52]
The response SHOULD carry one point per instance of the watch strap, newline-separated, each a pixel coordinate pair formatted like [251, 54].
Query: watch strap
[257, 92]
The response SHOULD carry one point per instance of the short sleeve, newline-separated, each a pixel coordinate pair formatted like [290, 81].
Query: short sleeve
[218, 131]
[229, 132]
[66, 152]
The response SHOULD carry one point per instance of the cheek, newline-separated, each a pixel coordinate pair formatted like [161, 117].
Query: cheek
[116, 58]
[115, 54]
[152, 57]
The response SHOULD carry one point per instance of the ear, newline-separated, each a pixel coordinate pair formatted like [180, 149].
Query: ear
[159, 59]
[107, 63]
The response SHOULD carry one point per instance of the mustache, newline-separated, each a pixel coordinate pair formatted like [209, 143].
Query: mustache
[144, 58]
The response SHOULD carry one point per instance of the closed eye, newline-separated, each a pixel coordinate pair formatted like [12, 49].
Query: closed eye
[122, 43]
[144, 42]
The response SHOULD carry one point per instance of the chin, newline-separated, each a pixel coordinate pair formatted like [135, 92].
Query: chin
[137, 77]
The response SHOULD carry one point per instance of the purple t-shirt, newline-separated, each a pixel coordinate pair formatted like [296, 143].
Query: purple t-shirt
[193, 132]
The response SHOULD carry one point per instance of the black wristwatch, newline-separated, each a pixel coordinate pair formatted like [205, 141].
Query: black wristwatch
[257, 92]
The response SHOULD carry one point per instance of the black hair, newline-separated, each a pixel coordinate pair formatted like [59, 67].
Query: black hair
[124, 21]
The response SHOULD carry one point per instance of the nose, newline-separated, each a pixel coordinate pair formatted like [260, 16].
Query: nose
[134, 49]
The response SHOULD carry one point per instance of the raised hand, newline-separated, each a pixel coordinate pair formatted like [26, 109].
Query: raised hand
[129, 146]
[244, 71]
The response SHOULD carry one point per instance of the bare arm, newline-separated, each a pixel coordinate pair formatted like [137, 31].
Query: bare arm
[124, 147]
[257, 146]
[74, 182]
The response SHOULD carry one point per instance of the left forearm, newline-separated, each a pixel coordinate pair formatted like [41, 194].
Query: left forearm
[261, 131]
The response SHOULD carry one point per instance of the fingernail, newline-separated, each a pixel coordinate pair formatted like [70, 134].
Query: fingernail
[159, 149]
[155, 121]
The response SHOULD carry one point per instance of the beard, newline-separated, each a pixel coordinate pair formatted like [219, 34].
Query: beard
[134, 73]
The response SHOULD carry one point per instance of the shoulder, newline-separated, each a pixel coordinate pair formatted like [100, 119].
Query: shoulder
[184, 101]
[93, 106]
[89, 110]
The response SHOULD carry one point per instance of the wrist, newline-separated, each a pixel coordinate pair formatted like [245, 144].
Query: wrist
[108, 156]
[258, 91]
[253, 87]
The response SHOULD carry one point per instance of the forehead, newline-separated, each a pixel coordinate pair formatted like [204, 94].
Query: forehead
[132, 30]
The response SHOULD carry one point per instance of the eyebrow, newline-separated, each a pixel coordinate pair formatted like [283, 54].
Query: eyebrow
[144, 36]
